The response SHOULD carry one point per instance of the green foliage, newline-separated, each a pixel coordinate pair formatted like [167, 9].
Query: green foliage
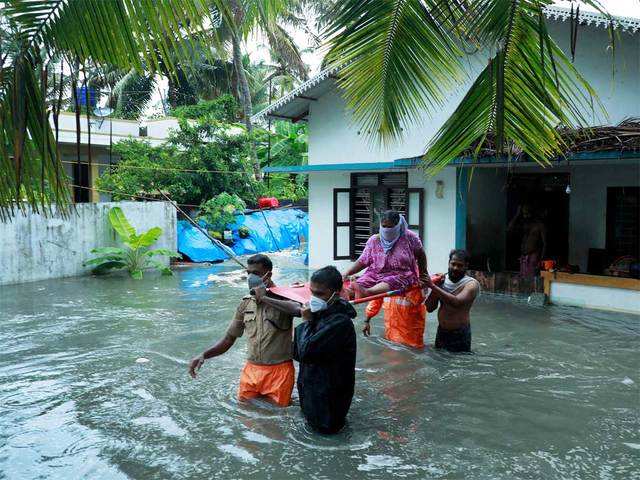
[244, 232]
[222, 109]
[527, 89]
[121, 33]
[215, 155]
[217, 152]
[219, 211]
[285, 186]
[135, 256]
[289, 145]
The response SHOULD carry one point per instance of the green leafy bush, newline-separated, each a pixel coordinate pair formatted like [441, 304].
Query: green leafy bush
[219, 211]
[135, 256]
[222, 109]
[216, 157]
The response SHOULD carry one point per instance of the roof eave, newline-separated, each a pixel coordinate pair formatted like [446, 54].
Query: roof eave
[631, 24]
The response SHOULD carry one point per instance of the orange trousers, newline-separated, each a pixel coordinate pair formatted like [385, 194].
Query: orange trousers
[404, 317]
[272, 381]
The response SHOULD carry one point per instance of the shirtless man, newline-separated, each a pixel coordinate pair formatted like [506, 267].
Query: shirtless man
[455, 295]
[534, 240]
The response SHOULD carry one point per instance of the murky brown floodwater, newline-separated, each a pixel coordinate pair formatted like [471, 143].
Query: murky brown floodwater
[551, 393]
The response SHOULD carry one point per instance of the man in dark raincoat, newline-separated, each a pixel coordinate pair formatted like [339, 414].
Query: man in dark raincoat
[325, 347]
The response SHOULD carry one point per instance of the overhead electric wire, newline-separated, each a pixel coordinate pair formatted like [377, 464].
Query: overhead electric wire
[141, 197]
[184, 170]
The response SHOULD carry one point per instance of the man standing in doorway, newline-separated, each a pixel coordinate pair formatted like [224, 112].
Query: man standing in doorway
[455, 296]
[534, 240]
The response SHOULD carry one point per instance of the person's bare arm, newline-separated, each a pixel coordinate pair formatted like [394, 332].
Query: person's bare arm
[432, 302]
[514, 220]
[358, 266]
[464, 298]
[543, 238]
[218, 349]
[236, 328]
[287, 306]
[421, 258]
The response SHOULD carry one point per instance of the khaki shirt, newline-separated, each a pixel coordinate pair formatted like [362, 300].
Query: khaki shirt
[269, 332]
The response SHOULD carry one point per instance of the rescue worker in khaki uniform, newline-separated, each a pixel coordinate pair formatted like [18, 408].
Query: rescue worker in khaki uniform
[269, 370]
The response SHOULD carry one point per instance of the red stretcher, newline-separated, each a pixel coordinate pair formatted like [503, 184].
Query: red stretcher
[300, 292]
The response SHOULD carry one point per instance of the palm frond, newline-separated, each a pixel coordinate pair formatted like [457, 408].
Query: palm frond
[285, 51]
[147, 35]
[133, 92]
[523, 94]
[399, 61]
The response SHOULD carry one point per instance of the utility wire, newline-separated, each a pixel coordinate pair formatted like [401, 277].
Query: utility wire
[142, 197]
[185, 170]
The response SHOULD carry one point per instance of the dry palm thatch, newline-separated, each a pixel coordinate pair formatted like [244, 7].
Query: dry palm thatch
[623, 137]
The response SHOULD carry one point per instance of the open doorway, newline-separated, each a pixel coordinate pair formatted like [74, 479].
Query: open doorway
[546, 198]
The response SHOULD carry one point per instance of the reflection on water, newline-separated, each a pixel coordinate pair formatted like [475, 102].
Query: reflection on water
[549, 392]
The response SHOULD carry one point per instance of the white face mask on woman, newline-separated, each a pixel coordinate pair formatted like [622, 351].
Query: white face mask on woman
[317, 304]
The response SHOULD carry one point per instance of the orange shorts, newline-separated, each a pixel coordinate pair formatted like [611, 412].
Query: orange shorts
[404, 318]
[272, 381]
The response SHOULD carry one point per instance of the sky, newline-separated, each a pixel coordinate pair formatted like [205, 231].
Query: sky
[622, 8]
[258, 51]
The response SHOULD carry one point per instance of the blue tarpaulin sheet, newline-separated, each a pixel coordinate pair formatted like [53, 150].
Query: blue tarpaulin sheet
[290, 227]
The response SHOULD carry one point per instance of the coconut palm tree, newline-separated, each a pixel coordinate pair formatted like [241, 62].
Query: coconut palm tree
[122, 33]
[241, 18]
[401, 59]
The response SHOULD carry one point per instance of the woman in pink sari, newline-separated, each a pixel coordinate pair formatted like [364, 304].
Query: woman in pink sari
[394, 258]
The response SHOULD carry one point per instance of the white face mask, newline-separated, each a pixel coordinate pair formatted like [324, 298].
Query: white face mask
[317, 304]
[255, 281]
[390, 233]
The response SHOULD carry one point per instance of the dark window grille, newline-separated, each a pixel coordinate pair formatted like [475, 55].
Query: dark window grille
[623, 222]
[370, 194]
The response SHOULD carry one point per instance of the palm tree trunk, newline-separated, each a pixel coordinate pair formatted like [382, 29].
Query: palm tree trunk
[245, 97]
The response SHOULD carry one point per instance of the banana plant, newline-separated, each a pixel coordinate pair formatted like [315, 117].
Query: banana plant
[135, 256]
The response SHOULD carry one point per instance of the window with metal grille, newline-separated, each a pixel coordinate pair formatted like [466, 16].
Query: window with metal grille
[623, 222]
[371, 194]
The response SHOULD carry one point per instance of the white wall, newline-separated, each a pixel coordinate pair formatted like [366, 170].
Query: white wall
[321, 187]
[161, 128]
[112, 130]
[439, 217]
[334, 138]
[619, 92]
[588, 205]
[602, 298]
[33, 247]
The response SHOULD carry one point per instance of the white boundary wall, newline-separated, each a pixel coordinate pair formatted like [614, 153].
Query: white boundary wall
[34, 247]
[601, 298]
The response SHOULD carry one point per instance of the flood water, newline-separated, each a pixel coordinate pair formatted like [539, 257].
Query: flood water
[551, 393]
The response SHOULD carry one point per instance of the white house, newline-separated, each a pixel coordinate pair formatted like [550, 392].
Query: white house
[105, 132]
[350, 178]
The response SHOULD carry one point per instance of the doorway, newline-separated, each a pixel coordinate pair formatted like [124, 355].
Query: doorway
[546, 196]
